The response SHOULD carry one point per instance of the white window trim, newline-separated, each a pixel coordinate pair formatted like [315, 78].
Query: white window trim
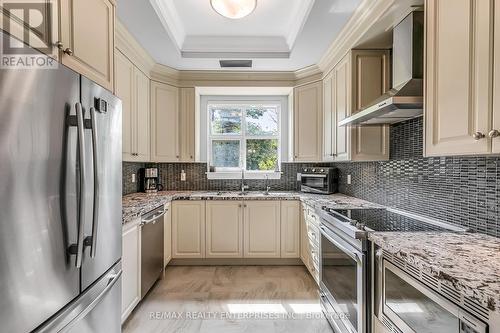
[284, 118]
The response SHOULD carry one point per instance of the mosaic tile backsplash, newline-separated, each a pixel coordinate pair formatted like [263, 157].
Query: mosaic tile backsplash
[460, 190]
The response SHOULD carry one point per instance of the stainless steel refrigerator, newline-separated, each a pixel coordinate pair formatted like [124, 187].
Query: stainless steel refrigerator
[60, 203]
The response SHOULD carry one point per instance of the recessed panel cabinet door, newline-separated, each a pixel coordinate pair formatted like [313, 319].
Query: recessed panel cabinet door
[261, 229]
[125, 91]
[224, 231]
[290, 229]
[87, 36]
[188, 229]
[164, 123]
[143, 121]
[458, 77]
[342, 106]
[329, 118]
[131, 267]
[187, 120]
[308, 128]
[495, 131]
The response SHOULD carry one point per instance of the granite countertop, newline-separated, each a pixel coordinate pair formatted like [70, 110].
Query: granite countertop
[136, 204]
[467, 262]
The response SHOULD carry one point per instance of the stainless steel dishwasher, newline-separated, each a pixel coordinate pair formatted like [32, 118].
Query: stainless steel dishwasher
[151, 248]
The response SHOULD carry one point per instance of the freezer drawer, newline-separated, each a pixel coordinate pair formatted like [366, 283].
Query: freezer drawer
[96, 310]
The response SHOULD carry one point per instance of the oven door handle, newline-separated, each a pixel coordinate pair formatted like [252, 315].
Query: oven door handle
[355, 255]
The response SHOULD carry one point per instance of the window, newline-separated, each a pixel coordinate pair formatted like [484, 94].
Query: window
[244, 136]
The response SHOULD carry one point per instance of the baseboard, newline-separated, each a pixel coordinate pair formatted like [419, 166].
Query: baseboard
[237, 262]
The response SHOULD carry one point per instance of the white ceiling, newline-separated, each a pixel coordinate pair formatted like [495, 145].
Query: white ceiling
[279, 35]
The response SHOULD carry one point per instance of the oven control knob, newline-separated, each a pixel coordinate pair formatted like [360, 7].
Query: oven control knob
[305, 170]
[353, 222]
[313, 170]
[360, 226]
[322, 170]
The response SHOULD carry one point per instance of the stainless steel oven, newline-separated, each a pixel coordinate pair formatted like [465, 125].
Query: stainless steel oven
[405, 304]
[343, 287]
[319, 180]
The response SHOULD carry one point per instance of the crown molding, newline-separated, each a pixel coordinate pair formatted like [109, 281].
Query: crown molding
[167, 13]
[360, 22]
[302, 11]
[237, 78]
[128, 45]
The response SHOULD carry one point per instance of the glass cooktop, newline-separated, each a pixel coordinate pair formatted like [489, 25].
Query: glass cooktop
[383, 220]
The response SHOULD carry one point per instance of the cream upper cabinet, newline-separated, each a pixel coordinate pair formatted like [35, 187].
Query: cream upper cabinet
[329, 118]
[165, 143]
[261, 229]
[290, 229]
[495, 131]
[224, 229]
[132, 87]
[188, 229]
[167, 239]
[87, 38]
[308, 124]
[187, 122]
[131, 267]
[359, 78]
[459, 67]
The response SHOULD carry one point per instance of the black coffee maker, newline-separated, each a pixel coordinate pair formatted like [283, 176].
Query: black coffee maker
[149, 181]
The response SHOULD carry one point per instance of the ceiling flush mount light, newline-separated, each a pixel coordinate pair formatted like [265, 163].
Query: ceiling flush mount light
[234, 9]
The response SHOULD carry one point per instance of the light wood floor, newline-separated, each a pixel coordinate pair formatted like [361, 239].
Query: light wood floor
[223, 299]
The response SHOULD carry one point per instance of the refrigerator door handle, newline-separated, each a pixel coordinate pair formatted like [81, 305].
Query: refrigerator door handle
[77, 249]
[92, 240]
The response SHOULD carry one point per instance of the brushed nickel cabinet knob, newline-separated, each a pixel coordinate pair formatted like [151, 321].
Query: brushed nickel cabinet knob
[68, 51]
[478, 136]
[494, 134]
[59, 45]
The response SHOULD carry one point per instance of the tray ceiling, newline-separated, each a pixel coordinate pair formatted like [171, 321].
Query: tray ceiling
[278, 35]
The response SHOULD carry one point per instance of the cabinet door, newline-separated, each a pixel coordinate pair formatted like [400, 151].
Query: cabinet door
[342, 107]
[458, 77]
[370, 80]
[308, 129]
[87, 28]
[125, 91]
[290, 229]
[164, 123]
[187, 110]
[143, 119]
[131, 267]
[188, 229]
[329, 118]
[167, 229]
[496, 83]
[261, 229]
[224, 229]
[304, 240]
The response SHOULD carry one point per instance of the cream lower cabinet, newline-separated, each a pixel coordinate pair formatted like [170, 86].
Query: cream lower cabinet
[261, 229]
[224, 229]
[87, 30]
[307, 122]
[165, 133]
[358, 79]
[167, 239]
[310, 241]
[188, 229]
[290, 229]
[131, 267]
[460, 42]
[132, 87]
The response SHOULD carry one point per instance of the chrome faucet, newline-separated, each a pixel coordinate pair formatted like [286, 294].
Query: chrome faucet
[267, 185]
[243, 186]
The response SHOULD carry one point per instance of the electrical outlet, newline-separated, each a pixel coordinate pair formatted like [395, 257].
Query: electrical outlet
[299, 176]
[183, 176]
[349, 180]
[133, 178]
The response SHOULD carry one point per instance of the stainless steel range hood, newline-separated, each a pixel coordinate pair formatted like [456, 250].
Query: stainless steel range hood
[405, 100]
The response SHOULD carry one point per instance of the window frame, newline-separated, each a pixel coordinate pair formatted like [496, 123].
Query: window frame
[232, 173]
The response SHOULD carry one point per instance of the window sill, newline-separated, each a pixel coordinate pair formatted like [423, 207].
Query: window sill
[248, 175]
